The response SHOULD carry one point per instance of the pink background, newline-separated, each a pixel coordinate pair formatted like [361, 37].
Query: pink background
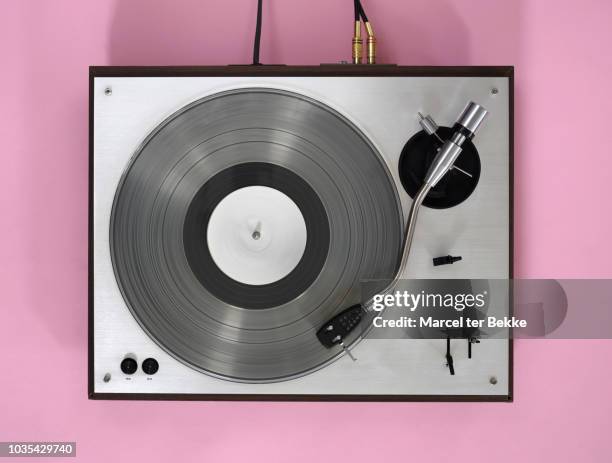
[561, 49]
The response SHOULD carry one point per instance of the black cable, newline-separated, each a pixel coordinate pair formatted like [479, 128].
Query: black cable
[258, 35]
[357, 9]
[361, 12]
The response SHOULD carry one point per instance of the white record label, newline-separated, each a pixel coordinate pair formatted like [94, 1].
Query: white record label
[256, 235]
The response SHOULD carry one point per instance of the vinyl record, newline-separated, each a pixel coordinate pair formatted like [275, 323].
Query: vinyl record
[244, 222]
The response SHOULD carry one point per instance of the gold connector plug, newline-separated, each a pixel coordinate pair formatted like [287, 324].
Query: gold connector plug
[357, 44]
[371, 44]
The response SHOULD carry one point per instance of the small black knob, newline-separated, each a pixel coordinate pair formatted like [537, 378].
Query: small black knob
[129, 366]
[150, 366]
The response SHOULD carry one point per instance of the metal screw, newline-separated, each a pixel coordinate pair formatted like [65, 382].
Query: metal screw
[494, 91]
[493, 380]
[108, 91]
[107, 377]
[256, 235]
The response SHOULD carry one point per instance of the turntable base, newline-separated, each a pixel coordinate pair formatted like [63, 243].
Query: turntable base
[154, 170]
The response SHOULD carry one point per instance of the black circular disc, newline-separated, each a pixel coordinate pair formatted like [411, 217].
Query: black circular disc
[200, 154]
[455, 187]
[212, 277]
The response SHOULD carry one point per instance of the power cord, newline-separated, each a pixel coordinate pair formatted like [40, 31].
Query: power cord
[257, 35]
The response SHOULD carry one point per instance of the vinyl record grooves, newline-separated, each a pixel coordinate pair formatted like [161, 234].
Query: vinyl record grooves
[216, 146]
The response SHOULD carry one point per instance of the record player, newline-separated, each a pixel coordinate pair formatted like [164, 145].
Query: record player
[235, 210]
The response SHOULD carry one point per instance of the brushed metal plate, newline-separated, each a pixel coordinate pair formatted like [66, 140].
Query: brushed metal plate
[384, 108]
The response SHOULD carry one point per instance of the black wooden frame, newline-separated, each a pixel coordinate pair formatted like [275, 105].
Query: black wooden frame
[331, 70]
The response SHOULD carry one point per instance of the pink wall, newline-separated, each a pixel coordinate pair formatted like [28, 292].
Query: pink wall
[560, 48]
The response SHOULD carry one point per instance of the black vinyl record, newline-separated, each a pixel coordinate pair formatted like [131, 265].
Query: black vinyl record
[201, 154]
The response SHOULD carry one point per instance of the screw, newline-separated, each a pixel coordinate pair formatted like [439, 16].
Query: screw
[108, 91]
[107, 377]
[494, 91]
[256, 235]
[493, 380]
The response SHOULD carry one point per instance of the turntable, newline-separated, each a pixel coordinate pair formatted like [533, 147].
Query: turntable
[235, 210]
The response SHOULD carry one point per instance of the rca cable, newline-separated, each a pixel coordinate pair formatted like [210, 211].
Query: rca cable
[357, 40]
